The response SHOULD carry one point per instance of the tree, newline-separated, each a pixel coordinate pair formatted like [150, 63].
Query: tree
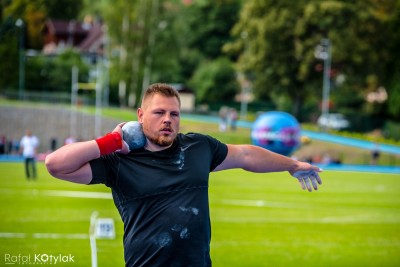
[10, 42]
[33, 14]
[277, 43]
[8, 54]
[54, 73]
[165, 40]
[209, 24]
[63, 9]
[193, 37]
[130, 25]
[204, 27]
[267, 42]
[215, 81]
[392, 69]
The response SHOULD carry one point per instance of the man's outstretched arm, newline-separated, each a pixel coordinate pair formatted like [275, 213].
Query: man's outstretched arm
[256, 159]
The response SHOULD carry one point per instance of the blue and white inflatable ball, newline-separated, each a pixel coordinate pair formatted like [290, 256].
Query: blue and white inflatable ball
[276, 131]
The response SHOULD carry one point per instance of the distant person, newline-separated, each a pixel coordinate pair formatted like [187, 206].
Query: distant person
[15, 145]
[28, 145]
[53, 144]
[3, 144]
[223, 118]
[233, 118]
[161, 189]
[9, 146]
[326, 159]
[375, 153]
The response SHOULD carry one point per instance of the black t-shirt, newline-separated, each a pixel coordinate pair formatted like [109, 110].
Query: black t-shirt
[162, 198]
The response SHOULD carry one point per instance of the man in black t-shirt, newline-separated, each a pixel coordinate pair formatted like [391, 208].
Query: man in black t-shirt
[161, 190]
[178, 230]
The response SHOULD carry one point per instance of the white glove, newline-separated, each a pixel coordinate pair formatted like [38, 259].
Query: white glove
[305, 177]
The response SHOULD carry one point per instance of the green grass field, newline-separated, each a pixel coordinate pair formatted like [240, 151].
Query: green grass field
[257, 220]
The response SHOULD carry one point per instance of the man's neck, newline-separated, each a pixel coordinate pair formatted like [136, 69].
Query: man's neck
[154, 147]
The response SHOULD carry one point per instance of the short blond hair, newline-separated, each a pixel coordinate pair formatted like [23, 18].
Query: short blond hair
[162, 89]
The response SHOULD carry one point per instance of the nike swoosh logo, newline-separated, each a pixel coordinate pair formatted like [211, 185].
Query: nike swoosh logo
[183, 148]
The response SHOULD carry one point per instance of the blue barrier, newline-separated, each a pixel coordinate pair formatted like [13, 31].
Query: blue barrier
[360, 168]
[11, 158]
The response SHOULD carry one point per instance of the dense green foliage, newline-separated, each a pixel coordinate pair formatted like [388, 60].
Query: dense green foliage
[54, 73]
[278, 42]
[272, 43]
[208, 78]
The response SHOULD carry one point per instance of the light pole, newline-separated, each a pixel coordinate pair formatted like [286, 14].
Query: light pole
[244, 83]
[324, 52]
[327, 71]
[20, 24]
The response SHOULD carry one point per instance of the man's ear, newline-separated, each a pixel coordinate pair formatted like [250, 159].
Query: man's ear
[140, 115]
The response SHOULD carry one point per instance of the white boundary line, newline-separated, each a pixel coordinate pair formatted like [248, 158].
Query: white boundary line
[259, 203]
[44, 235]
[58, 193]
[77, 194]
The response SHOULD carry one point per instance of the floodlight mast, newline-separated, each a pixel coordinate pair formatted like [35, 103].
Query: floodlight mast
[326, 56]
[21, 79]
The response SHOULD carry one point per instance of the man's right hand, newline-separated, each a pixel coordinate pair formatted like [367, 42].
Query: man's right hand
[125, 146]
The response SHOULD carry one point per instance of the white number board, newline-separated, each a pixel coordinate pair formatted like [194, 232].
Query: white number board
[105, 228]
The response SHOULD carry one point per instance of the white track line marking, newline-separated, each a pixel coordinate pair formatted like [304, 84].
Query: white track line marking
[58, 193]
[44, 235]
[77, 194]
[262, 203]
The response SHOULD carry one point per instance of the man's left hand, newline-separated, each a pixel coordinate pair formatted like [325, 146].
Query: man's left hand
[307, 177]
